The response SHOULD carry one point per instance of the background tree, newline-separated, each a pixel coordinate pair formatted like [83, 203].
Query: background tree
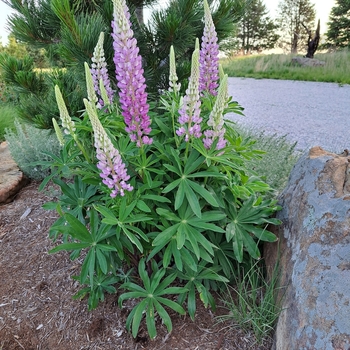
[292, 13]
[257, 31]
[69, 31]
[338, 33]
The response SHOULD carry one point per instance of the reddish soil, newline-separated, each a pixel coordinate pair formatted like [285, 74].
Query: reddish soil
[36, 306]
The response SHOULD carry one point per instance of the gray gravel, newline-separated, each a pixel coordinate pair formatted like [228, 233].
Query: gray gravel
[313, 114]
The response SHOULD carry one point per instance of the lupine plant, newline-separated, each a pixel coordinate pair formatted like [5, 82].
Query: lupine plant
[163, 204]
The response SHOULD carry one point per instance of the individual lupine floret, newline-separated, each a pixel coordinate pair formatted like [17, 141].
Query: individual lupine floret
[190, 110]
[209, 55]
[216, 120]
[129, 74]
[113, 171]
[67, 123]
[174, 86]
[99, 71]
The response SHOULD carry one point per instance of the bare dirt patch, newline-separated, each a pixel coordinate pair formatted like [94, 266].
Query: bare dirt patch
[36, 306]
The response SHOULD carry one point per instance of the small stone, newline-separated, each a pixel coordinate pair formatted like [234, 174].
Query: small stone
[308, 62]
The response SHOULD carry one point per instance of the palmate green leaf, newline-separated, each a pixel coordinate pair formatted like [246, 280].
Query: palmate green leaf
[69, 246]
[193, 241]
[125, 210]
[137, 316]
[203, 193]
[188, 259]
[261, 233]
[161, 288]
[193, 162]
[207, 245]
[102, 261]
[85, 267]
[144, 275]
[150, 320]
[191, 301]
[156, 198]
[167, 214]
[143, 206]
[172, 169]
[237, 240]
[77, 230]
[172, 304]
[163, 315]
[180, 195]
[132, 238]
[138, 231]
[171, 186]
[181, 235]
[192, 200]
[155, 280]
[164, 237]
[109, 216]
[91, 265]
[208, 174]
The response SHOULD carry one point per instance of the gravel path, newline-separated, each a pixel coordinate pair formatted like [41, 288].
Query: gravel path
[314, 114]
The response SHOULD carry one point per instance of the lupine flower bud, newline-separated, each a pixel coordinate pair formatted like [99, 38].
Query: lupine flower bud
[174, 86]
[104, 94]
[67, 122]
[90, 85]
[209, 55]
[58, 132]
[129, 74]
[221, 72]
[190, 110]
[113, 171]
[99, 71]
[216, 121]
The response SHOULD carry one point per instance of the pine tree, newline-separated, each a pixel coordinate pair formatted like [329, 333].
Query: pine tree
[338, 33]
[257, 31]
[69, 31]
[292, 14]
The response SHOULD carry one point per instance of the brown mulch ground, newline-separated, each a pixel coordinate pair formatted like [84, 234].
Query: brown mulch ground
[36, 306]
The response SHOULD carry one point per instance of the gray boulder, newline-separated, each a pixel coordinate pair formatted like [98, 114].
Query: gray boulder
[314, 254]
[307, 62]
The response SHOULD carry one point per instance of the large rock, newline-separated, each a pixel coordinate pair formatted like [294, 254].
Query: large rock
[308, 62]
[11, 178]
[314, 250]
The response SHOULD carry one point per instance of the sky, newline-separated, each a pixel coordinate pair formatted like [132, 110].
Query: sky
[323, 8]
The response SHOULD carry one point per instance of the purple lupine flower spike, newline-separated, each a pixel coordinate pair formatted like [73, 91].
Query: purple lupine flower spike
[99, 71]
[216, 121]
[190, 110]
[129, 74]
[113, 170]
[209, 55]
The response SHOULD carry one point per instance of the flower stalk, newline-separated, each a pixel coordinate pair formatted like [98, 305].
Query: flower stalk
[129, 74]
[113, 170]
[99, 71]
[190, 110]
[209, 55]
[216, 120]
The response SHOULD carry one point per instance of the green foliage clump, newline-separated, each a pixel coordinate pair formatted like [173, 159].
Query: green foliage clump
[278, 158]
[254, 304]
[7, 118]
[28, 146]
